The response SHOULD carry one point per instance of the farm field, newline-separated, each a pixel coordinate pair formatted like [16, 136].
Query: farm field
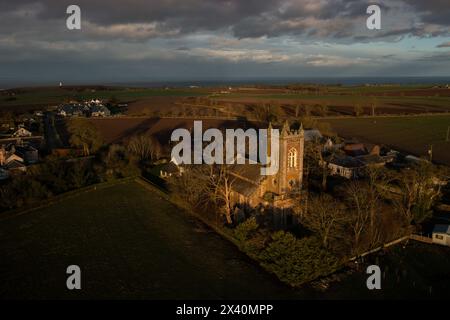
[413, 134]
[129, 243]
[29, 98]
[115, 130]
[340, 100]
[132, 244]
[395, 99]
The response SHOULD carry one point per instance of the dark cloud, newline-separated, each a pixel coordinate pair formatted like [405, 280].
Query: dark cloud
[188, 15]
[139, 38]
[432, 11]
[247, 18]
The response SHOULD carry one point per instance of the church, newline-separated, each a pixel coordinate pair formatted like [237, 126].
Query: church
[250, 188]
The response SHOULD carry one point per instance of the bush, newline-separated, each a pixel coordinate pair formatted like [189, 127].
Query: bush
[22, 191]
[296, 261]
[251, 239]
[119, 163]
[246, 229]
[44, 180]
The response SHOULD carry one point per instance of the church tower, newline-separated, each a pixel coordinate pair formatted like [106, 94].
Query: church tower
[290, 173]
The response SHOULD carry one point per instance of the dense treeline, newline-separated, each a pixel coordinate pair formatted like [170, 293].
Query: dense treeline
[55, 176]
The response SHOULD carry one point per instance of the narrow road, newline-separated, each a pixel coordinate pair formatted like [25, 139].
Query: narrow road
[52, 138]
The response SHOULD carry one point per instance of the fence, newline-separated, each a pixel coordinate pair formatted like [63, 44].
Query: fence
[420, 238]
[386, 245]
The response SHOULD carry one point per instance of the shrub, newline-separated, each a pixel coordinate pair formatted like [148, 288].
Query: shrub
[246, 229]
[296, 261]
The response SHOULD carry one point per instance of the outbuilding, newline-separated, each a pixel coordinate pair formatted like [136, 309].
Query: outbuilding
[441, 234]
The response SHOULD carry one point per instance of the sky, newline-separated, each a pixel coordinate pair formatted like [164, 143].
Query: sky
[146, 40]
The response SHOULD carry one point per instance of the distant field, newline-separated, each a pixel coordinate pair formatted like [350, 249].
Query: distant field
[344, 104]
[41, 97]
[392, 99]
[412, 134]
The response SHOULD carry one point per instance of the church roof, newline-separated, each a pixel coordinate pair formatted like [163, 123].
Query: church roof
[246, 178]
[244, 187]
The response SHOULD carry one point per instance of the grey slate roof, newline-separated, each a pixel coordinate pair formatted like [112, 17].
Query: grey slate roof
[442, 228]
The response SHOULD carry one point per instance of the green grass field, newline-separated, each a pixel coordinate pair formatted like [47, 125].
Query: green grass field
[54, 96]
[394, 99]
[411, 134]
[129, 243]
[132, 244]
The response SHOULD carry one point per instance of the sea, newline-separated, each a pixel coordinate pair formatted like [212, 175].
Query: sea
[177, 83]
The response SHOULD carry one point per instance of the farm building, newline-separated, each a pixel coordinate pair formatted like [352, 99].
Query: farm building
[28, 153]
[344, 166]
[441, 234]
[353, 167]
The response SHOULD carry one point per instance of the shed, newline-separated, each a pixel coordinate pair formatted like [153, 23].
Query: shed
[441, 234]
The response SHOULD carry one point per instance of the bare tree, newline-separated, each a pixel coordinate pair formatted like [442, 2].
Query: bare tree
[419, 190]
[221, 188]
[205, 185]
[83, 134]
[297, 110]
[358, 213]
[358, 109]
[374, 105]
[144, 147]
[308, 110]
[325, 216]
[270, 112]
[192, 185]
[316, 163]
[377, 189]
[322, 109]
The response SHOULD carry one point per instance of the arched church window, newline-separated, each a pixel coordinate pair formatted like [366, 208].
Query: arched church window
[292, 158]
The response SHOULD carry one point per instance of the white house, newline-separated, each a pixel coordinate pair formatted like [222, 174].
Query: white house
[441, 234]
[96, 102]
[344, 166]
[100, 111]
[21, 132]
